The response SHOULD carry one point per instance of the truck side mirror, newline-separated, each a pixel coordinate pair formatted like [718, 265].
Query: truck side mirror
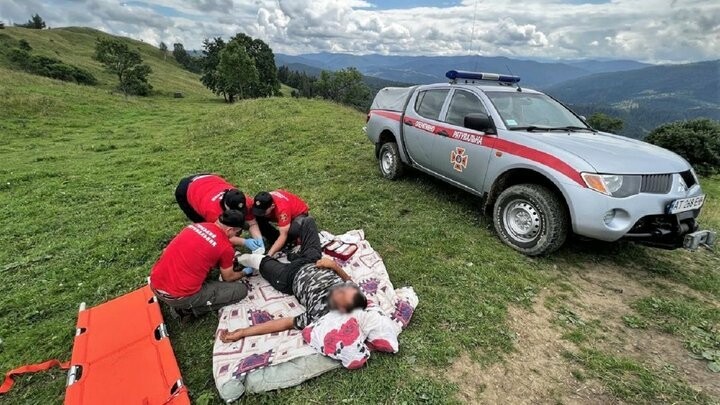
[479, 122]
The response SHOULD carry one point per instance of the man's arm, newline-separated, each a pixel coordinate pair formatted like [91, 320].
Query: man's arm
[229, 275]
[254, 229]
[276, 325]
[280, 242]
[237, 241]
[328, 263]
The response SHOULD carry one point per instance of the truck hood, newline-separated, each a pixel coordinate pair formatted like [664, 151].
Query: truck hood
[615, 154]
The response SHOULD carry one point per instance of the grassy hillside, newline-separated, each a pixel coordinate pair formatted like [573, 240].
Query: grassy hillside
[87, 204]
[76, 46]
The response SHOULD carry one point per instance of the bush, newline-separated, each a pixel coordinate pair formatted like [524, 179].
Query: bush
[698, 141]
[605, 123]
[50, 67]
[24, 45]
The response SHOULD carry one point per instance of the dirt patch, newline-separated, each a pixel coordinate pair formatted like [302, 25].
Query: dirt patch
[605, 293]
[536, 373]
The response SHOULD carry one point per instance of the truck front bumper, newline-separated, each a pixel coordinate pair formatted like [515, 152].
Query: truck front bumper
[641, 218]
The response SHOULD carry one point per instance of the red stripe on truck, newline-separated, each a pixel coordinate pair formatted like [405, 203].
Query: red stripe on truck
[492, 141]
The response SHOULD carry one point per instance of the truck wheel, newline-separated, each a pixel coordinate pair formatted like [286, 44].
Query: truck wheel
[531, 219]
[389, 161]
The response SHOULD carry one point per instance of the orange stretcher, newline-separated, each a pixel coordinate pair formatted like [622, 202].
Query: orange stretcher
[122, 355]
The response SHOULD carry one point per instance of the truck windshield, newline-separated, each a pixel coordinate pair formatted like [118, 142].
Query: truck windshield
[526, 111]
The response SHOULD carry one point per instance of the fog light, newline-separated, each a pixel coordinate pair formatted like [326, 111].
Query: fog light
[609, 216]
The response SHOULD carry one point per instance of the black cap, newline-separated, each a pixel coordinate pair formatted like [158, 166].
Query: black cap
[234, 199]
[262, 202]
[232, 218]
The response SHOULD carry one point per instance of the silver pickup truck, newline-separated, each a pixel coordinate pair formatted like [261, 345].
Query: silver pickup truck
[539, 168]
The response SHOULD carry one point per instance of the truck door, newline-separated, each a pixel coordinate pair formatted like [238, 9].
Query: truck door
[458, 152]
[419, 123]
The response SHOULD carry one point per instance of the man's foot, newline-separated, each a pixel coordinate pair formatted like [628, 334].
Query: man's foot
[183, 314]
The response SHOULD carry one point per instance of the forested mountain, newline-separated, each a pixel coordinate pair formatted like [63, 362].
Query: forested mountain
[647, 97]
[431, 69]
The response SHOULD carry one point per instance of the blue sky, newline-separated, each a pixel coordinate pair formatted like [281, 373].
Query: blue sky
[645, 30]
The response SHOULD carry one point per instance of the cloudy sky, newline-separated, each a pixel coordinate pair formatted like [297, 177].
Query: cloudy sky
[646, 30]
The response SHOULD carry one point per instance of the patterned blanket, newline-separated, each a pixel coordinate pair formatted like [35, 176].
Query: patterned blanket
[263, 303]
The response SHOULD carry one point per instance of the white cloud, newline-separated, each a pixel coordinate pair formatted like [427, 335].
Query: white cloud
[649, 30]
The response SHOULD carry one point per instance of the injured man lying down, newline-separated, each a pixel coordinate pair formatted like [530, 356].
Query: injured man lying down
[319, 284]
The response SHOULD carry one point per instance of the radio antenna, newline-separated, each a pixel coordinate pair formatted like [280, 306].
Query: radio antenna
[512, 74]
[472, 36]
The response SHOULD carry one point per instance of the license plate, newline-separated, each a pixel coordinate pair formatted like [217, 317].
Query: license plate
[686, 204]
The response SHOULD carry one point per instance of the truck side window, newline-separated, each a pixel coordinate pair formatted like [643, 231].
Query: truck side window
[429, 103]
[462, 104]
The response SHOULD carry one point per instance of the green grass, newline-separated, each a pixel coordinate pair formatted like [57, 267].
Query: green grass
[698, 323]
[87, 204]
[76, 46]
[632, 381]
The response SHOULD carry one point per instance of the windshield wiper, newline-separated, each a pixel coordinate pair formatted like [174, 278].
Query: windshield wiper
[570, 128]
[573, 128]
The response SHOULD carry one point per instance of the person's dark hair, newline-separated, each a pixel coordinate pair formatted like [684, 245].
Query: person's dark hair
[359, 301]
[232, 218]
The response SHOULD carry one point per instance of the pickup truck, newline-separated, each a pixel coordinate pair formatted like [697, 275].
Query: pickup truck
[541, 171]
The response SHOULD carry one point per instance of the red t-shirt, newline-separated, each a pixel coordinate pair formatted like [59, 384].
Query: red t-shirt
[287, 207]
[205, 196]
[183, 266]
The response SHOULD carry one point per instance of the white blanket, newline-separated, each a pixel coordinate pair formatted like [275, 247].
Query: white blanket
[232, 361]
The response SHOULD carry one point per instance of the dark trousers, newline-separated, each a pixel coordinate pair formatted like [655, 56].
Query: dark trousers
[302, 227]
[281, 275]
[212, 296]
[181, 198]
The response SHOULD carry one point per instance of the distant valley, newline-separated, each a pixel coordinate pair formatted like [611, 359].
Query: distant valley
[643, 95]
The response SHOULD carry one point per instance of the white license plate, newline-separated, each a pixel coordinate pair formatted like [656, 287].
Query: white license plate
[686, 204]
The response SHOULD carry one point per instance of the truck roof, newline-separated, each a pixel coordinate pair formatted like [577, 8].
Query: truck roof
[483, 85]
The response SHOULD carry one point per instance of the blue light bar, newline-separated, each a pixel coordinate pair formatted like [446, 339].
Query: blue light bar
[462, 74]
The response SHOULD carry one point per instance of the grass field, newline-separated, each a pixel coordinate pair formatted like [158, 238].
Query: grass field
[87, 204]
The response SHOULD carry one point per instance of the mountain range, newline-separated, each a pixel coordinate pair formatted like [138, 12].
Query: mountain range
[431, 69]
[643, 95]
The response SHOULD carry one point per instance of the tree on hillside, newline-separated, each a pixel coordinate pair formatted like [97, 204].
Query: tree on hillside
[698, 141]
[35, 22]
[183, 58]
[163, 50]
[605, 123]
[126, 64]
[237, 74]
[344, 86]
[210, 61]
[260, 54]
[264, 59]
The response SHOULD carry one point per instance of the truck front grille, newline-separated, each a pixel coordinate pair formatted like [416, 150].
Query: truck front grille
[656, 183]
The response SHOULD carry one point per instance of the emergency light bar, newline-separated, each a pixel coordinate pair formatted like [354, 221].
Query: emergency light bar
[461, 74]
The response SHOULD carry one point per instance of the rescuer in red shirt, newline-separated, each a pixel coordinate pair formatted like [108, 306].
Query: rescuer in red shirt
[179, 276]
[285, 209]
[203, 197]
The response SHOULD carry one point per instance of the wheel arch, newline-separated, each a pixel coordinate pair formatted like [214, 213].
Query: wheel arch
[524, 175]
[386, 135]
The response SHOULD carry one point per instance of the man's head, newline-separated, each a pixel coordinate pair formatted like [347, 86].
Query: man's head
[232, 222]
[347, 297]
[234, 199]
[263, 204]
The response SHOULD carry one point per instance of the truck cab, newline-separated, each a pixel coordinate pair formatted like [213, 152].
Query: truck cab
[540, 169]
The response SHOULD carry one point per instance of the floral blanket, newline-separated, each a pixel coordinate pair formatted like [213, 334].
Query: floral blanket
[263, 303]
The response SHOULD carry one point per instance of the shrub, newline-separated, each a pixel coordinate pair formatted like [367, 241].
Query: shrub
[50, 67]
[25, 45]
[698, 141]
[605, 123]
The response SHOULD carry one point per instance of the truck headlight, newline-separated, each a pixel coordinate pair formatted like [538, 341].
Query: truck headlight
[615, 185]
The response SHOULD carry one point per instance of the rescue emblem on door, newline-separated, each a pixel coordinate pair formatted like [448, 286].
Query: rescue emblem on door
[459, 159]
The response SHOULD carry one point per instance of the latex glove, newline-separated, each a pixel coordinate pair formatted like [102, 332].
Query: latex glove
[248, 271]
[257, 246]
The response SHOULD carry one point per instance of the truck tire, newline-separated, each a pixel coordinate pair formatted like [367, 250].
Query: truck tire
[389, 161]
[531, 219]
